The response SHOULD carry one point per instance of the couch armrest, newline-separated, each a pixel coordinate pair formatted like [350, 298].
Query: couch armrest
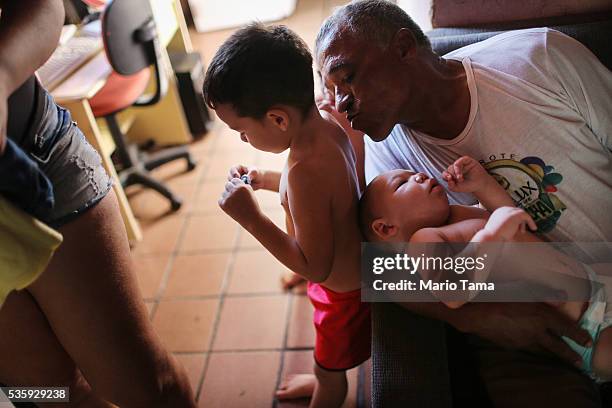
[409, 359]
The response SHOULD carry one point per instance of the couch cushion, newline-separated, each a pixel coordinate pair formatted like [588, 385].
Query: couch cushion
[595, 36]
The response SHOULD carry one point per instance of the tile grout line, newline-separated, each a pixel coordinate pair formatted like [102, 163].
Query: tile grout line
[281, 364]
[224, 285]
[228, 266]
[167, 272]
[257, 350]
[179, 298]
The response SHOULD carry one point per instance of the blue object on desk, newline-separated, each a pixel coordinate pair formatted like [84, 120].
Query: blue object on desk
[23, 183]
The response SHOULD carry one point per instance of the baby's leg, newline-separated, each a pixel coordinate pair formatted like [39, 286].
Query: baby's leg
[602, 355]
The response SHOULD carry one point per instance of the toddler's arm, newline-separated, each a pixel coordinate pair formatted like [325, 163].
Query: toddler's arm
[310, 254]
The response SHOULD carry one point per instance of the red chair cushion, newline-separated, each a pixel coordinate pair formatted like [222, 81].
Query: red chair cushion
[119, 92]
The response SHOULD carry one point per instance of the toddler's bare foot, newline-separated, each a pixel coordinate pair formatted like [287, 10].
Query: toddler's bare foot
[296, 386]
[290, 280]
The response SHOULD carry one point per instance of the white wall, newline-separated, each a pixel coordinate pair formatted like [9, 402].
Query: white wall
[210, 15]
[419, 10]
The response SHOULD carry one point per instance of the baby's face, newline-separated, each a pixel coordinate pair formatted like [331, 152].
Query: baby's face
[411, 200]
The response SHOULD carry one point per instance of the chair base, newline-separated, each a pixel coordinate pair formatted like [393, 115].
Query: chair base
[136, 165]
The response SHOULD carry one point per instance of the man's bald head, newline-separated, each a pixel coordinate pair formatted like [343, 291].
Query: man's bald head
[374, 21]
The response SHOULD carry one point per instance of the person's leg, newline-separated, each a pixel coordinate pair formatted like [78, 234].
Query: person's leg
[517, 379]
[32, 356]
[330, 389]
[327, 388]
[90, 298]
[297, 386]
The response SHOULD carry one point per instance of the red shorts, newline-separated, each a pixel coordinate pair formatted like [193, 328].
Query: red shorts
[343, 328]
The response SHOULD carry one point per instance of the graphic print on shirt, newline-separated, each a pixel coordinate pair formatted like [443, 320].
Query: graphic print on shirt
[531, 184]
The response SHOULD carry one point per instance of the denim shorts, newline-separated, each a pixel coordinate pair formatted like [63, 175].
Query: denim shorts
[72, 165]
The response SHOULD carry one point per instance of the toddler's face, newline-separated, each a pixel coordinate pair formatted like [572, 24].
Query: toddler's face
[257, 133]
[411, 200]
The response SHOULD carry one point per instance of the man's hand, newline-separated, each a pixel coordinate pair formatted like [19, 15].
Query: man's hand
[238, 201]
[255, 175]
[466, 175]
[506, 222]
[535, 327]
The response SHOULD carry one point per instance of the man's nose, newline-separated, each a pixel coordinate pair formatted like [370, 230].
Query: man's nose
[343, 101]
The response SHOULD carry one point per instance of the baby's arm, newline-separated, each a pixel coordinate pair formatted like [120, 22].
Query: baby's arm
[466, 175]
[457, 232]
[310, 252]
[505, 224]
[258, 178]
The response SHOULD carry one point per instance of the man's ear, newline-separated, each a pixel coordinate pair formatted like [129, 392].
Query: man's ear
[383, 230]
[278, 118]
[404, 43]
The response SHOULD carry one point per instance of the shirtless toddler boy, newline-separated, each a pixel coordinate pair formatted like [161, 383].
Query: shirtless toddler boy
[260, 83]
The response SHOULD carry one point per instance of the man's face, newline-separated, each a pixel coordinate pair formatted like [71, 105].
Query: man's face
[363, 79]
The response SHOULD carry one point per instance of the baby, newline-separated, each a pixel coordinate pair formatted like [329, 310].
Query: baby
[261, 84]
[402, 206]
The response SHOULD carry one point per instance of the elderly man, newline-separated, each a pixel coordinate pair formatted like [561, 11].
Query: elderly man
[534, 101]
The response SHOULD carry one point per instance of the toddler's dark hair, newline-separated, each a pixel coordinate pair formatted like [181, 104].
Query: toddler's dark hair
[259, 67]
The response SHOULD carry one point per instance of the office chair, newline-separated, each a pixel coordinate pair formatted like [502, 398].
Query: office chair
[131, 46]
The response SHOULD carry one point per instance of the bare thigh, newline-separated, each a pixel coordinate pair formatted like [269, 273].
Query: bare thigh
[29, 351]
[91, 301]
[31, 355]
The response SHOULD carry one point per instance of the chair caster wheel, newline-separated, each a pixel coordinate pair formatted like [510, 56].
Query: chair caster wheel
[176, 204]
[191, 164]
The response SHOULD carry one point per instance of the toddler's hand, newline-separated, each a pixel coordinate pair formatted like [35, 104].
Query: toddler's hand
[506, 222]
[238, 201]
[465, 175]
[254, 175]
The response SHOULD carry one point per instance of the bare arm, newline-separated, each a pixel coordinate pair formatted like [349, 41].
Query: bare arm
[271, 180]
[29, 32]
[524, 326]
[466, 175]
[527, 326]
[310, 253]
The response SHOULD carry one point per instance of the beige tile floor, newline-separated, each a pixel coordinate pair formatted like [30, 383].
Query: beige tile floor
[212, 291]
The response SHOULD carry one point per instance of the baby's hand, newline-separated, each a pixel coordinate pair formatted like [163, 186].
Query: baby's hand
[506, 222]
[465, 175]
[238, 201]
[250, 175]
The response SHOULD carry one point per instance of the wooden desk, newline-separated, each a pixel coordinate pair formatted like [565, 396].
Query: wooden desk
[164, 118]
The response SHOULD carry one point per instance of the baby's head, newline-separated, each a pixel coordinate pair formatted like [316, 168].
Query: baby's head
[398, 203]
[260, 83]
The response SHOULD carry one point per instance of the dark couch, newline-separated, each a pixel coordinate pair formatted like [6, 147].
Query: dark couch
[409, 352]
